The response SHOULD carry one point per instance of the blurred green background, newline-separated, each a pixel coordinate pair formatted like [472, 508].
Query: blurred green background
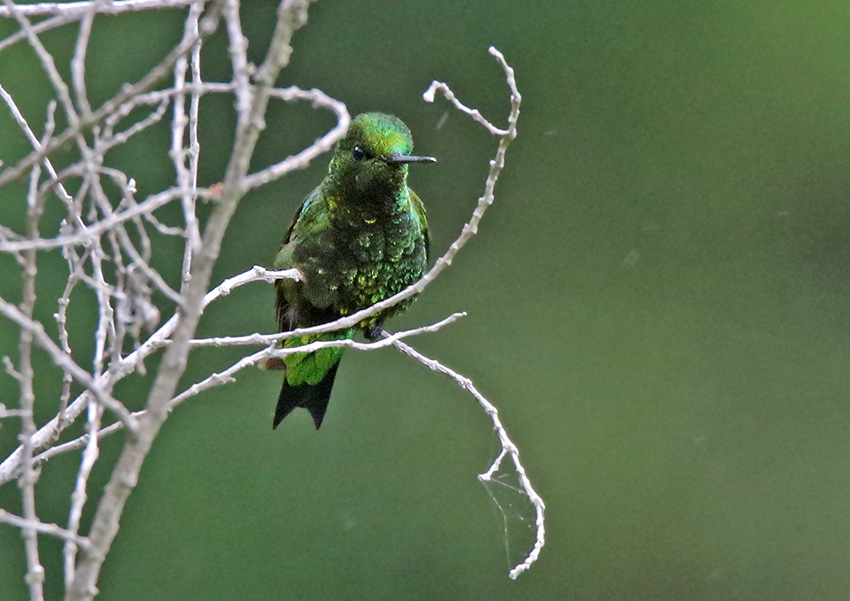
[658, 303]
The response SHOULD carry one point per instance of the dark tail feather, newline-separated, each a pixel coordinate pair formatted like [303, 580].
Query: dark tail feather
[313, 397]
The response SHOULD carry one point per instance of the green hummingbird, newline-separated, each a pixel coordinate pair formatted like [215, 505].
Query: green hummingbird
[358, 238]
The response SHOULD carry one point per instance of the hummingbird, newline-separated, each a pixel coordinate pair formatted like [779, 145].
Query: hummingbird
[360, 237]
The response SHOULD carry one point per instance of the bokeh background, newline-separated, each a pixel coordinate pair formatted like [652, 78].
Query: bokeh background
[658, 303]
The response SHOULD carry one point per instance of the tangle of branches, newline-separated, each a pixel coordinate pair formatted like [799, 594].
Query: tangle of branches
[106, 233]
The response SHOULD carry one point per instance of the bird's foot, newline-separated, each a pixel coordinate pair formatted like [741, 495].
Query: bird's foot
[374, 332]
[272, 364]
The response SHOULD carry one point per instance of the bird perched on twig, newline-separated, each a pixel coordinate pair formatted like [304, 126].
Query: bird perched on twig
[358, 238]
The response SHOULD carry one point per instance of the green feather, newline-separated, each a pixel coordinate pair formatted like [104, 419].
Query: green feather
[311, 368]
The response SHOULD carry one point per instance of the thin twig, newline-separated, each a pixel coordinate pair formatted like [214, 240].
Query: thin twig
[44, 528]
[300, 160]
[79, 496]
[187, 178]
[271, 339]
[19, 118]
[238, 59]
[35, 571]
[508, 448]
[76, 10]
[193, 232]
[78, 62]
[506, 136]
[46, 25]
[86, 236]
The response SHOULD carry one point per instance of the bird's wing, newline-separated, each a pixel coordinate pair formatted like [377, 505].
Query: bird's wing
[285, 260]
[309, 232]
[306, 212]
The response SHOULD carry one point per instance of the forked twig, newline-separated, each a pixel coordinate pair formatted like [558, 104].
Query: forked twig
[496, 165]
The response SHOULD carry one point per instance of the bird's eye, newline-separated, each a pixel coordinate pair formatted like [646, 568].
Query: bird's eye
[358, 154]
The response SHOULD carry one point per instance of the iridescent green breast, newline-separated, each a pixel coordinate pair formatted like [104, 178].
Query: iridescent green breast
[382, 259]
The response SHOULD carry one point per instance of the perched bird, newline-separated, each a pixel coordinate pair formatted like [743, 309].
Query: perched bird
[358, 238]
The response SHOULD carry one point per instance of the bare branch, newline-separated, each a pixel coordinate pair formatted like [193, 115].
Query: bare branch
[19, 118]
[320, 146]
[90, 232]
[21, 35]
[193, 233]
[35, 571]
[77, 10]
[51, 529]
[187, 177]
[508, 449]
[496, 166]
[272, 339]
[78, 63]
[109, 139]
[79, 496]
[238, 58]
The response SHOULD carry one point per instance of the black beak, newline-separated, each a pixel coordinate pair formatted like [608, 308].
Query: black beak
[398, 158]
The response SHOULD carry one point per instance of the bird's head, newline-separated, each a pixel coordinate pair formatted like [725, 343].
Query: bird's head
[377, 148]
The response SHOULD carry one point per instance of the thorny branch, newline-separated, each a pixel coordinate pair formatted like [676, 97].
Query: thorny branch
[106, 238]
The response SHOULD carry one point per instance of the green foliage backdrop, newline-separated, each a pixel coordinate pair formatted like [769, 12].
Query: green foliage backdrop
[658, 303]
